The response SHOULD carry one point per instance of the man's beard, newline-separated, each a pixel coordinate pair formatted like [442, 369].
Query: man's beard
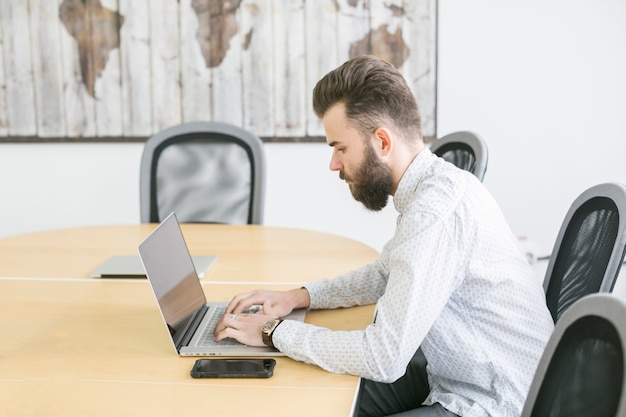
[372, 182]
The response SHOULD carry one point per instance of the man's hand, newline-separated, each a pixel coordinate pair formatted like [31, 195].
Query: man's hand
[281, 302]
[245, 328]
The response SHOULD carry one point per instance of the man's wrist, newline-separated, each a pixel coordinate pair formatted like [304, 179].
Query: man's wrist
[267, 332]
[303, 298]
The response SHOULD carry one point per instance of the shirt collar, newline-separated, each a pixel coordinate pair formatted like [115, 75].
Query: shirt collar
[410, 179]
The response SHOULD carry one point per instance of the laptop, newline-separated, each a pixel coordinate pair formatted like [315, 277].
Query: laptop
[188, 317]
[130, 266]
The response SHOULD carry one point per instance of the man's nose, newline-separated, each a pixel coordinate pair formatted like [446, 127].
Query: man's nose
[335, 164]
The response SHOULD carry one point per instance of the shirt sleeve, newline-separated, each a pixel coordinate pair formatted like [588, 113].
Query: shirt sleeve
[361, 286]
[420, 275]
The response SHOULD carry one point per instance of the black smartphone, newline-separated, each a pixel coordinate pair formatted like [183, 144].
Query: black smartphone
[233, 368]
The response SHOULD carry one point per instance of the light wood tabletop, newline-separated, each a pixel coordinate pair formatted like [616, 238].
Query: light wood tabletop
[76, 346]
[274, 254]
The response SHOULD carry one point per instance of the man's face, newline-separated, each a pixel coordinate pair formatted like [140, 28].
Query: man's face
[369, 179]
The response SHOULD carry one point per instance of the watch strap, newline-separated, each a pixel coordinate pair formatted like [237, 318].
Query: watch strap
[268, 331]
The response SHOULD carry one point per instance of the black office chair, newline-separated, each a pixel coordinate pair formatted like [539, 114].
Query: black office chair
[206, 172]
[582, 370]
[466, 150]
[589, 248]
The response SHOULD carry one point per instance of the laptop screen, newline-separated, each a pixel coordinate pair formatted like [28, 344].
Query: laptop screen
[172, 275]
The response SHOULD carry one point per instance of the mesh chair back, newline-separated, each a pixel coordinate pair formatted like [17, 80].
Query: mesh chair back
[590, 248]
[205, 172]
[581, 372]
[466, 150]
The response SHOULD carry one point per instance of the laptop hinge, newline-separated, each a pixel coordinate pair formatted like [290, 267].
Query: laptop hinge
[191, 329]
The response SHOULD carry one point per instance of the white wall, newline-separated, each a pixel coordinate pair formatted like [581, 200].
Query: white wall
[542, 81]
[545, 83]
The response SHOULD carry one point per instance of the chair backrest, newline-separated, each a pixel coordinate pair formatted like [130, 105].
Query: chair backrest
[206, 172]
[581, 372]
[589, 248]
[466, 150]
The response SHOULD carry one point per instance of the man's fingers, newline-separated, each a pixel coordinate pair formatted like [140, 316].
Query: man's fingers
[226, 332]
[228, 327]
[242, 302]
[268, 310]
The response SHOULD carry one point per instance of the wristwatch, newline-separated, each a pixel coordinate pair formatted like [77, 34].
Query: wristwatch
[268, 329]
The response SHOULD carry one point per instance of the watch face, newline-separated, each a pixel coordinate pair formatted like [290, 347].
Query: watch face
[269, 325]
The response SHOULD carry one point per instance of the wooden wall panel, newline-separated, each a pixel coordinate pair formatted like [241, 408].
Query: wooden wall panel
[225, 60]
[289, 81]
[135, 52]
[122, 70]
[419, 68]
[165, 48]
[196, 91]
[47, 69]
[79, 105]
[4, 131]
[322, 52]
[258, 67]
[103, 51]
[21, 116]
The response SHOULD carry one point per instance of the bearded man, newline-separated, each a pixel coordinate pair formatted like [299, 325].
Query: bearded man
[451, 287]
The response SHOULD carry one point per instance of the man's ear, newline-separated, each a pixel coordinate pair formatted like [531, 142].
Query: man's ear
[383, 141]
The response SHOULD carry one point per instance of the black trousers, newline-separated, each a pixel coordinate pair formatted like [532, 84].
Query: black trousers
[403, 397]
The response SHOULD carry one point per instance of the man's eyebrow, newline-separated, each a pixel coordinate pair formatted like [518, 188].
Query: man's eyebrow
[333, 143]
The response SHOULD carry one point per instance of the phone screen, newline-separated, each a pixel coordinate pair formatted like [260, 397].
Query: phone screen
[233, 368]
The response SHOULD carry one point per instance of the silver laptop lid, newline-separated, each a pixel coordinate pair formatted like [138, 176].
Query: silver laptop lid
[173, 277]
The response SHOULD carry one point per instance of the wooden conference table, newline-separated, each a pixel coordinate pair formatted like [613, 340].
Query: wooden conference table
[79, 346]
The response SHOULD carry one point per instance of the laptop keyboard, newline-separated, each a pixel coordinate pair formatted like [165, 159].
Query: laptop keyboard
[208, 337]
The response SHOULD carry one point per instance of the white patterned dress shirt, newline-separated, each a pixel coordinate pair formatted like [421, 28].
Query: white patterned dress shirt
[451, 280]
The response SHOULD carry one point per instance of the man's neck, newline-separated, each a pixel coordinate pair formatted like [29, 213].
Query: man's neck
[403, 160]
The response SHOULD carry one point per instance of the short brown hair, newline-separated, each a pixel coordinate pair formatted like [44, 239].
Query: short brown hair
[373, 92]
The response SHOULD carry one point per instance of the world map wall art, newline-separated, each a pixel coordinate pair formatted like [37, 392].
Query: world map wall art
[123, 70]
